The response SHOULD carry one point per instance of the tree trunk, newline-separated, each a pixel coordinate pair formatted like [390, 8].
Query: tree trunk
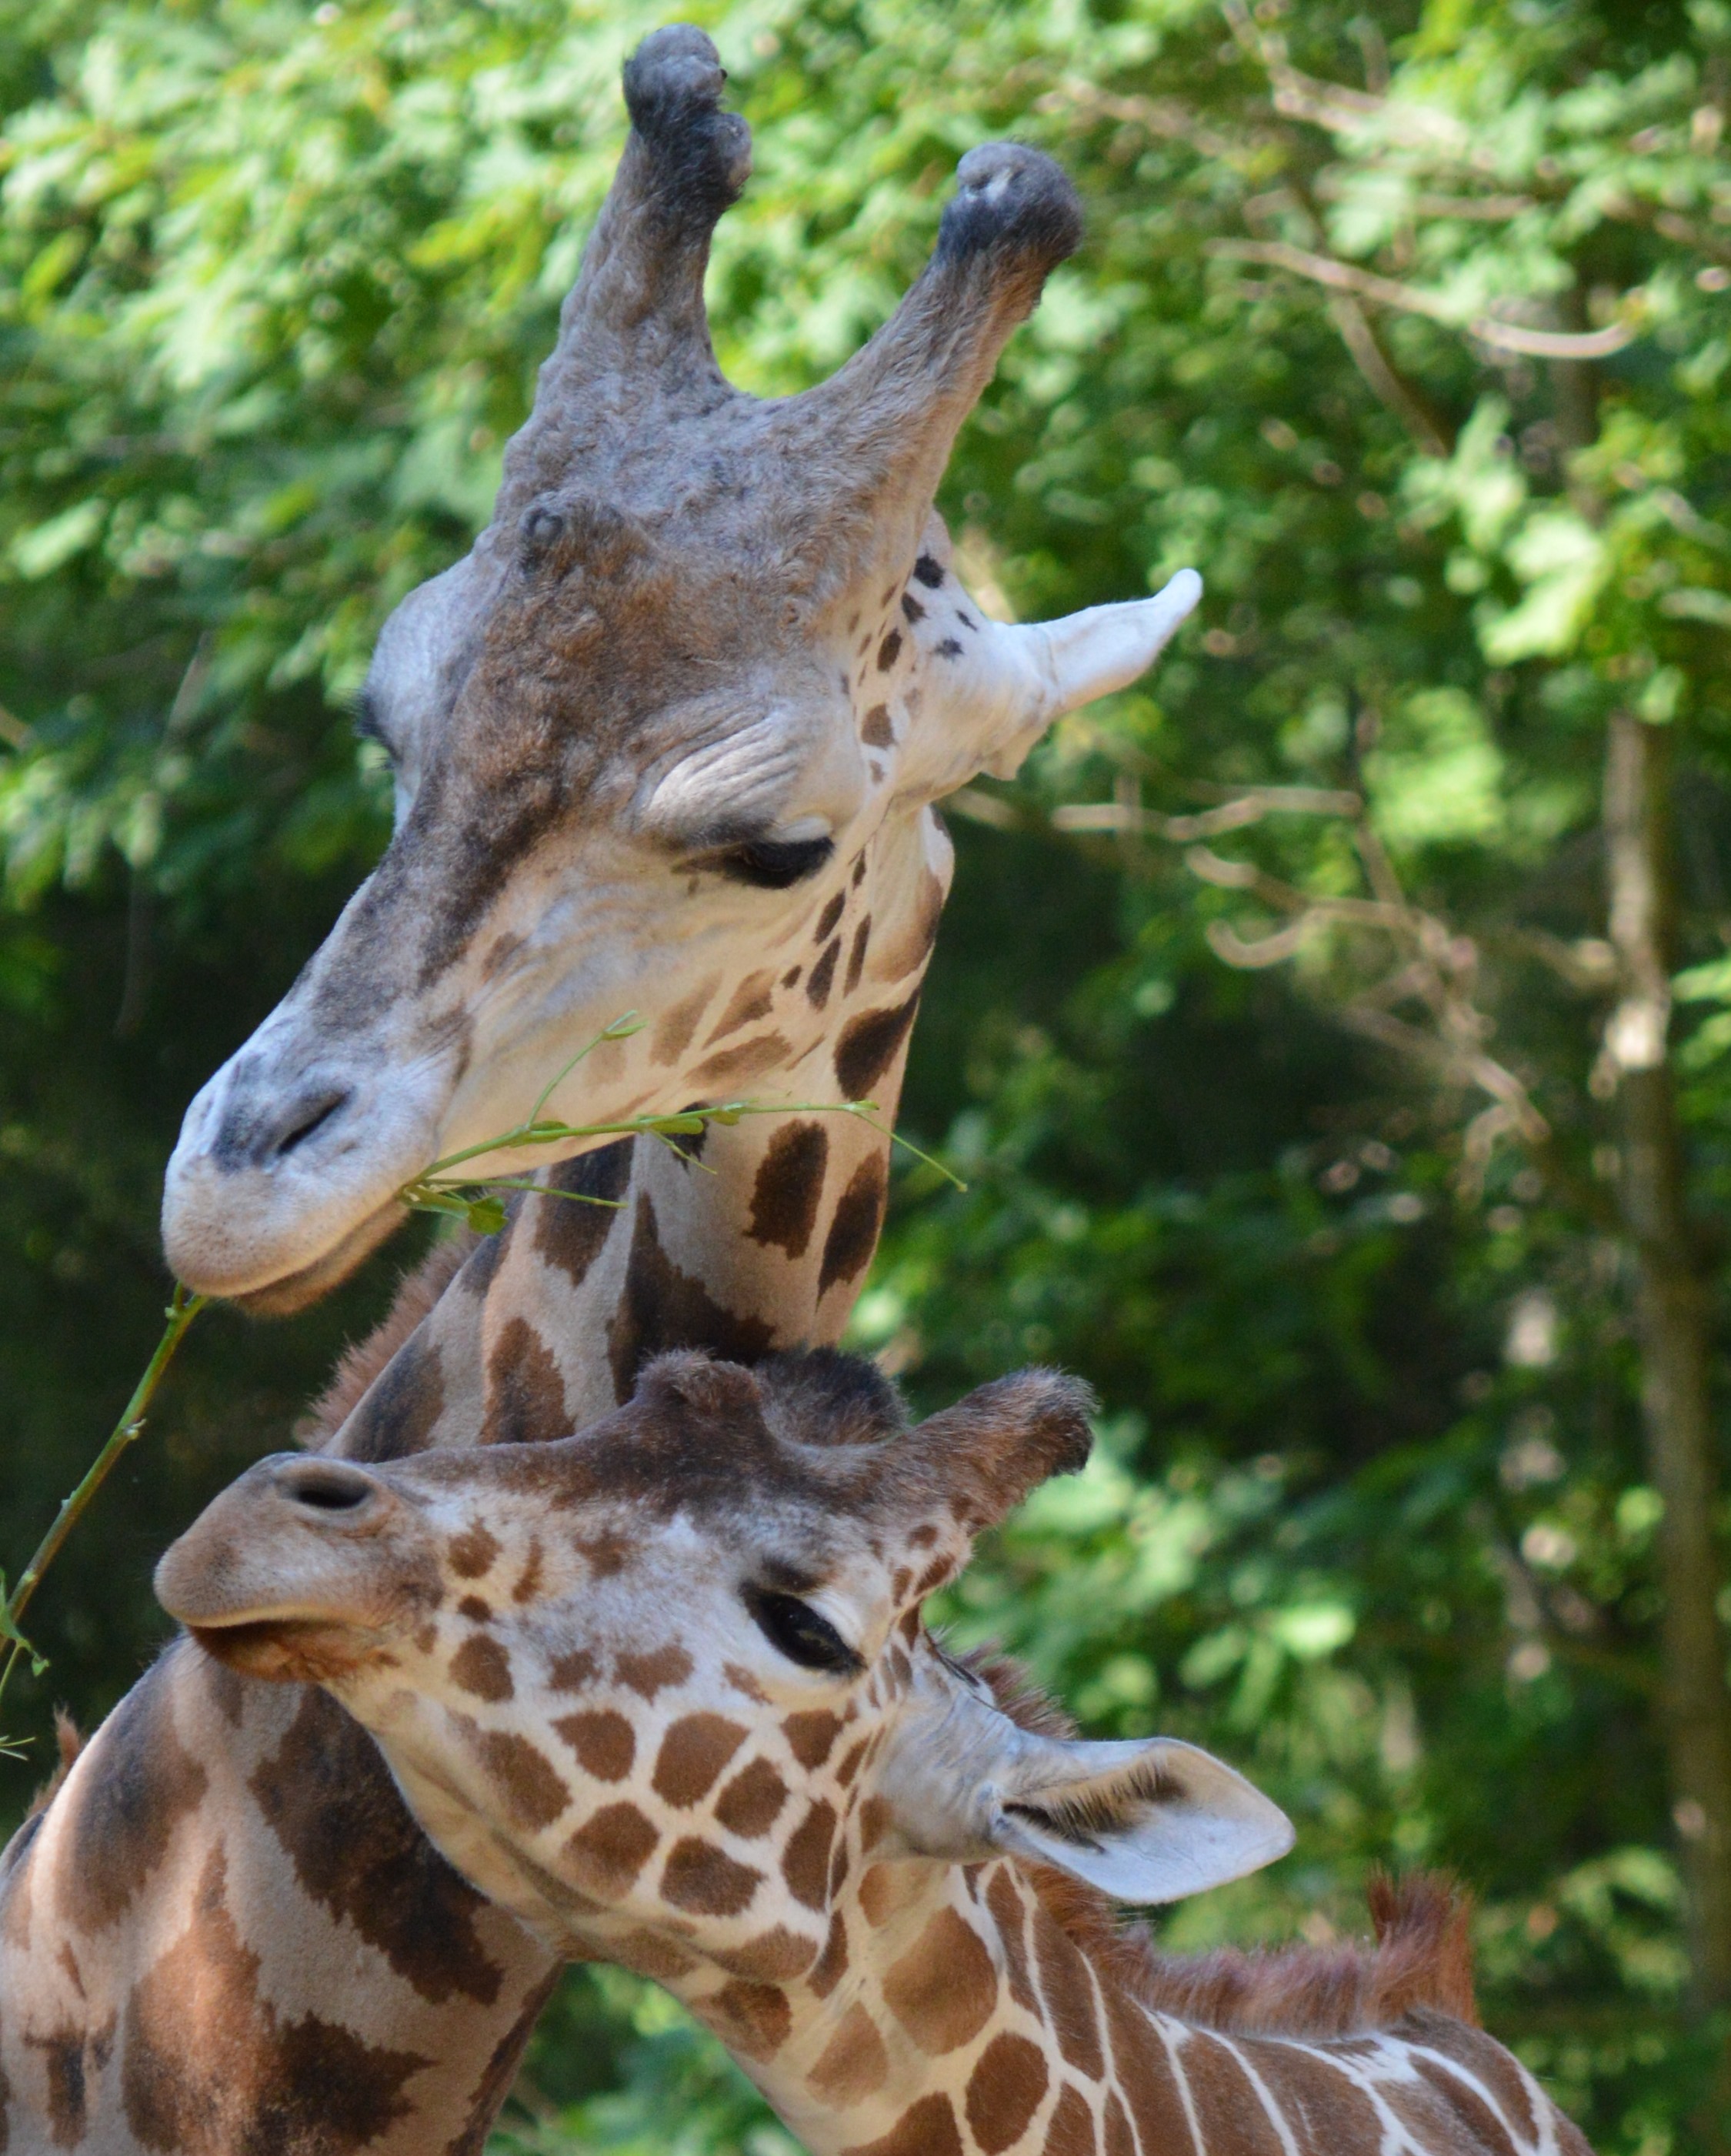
[1672, 1319]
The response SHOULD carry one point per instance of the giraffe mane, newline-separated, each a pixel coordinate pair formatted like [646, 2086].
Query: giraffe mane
[1421, 1956]
[68, 1743]
[363, 1360]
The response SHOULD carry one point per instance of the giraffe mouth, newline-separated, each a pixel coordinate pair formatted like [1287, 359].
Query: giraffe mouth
[294, 1291]
[283, 1649]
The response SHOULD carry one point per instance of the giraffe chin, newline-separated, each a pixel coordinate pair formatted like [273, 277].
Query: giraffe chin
[296, 1290]
[282, 1649]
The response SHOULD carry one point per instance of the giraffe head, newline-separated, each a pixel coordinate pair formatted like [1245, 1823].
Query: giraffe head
[664, 1688]
[667, 737]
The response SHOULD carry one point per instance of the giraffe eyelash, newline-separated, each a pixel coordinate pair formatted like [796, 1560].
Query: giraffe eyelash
[775, 863]
[796, 1629]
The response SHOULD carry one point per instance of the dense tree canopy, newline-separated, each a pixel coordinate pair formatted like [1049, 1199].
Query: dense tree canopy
[1302, 1022]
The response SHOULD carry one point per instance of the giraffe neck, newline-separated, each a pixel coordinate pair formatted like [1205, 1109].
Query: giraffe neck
[227, 1919]
[952, 2012]
[755, 1237]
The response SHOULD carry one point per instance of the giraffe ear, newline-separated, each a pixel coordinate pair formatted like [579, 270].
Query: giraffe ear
[1001, 685]
[1146, 1821]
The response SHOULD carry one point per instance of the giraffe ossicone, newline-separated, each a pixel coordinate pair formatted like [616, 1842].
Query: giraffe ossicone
[664, 1689]
[686, 704]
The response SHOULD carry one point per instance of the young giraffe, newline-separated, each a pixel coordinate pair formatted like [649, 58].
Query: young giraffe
[362, 1996]
[665, 1689]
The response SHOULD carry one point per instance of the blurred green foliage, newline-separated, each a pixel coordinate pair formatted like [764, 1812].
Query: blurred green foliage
[1370, 1513]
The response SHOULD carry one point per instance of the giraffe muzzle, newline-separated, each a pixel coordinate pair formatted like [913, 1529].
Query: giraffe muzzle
[294, 1571]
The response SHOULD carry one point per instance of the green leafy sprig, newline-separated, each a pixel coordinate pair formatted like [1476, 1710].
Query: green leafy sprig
[480, 1202]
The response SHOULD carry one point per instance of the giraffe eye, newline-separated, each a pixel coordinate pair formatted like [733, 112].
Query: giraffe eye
[794, 1629]
[775, 863]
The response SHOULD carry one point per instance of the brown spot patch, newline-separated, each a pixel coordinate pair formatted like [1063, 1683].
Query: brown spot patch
[473, 1550]
[1224, 2098]
[875, 1820]
[693, 1753]
[909, 943]
[831, 1966]
[753, 999]
[1069, 2131]
[477, 1611]
[1009, 1914]
[805, 1861]
[853, 1232]
[751, 2018]
[811, 1737]
[742, 1680]
[69, 2057]
[775, 1956]
[646, 1675]
[483, 1667]
[674, 1028]
[139, 1782]
[824, 976]
[1068, 1992]
[1120, 2139]
[328, 1796]
[751, 1803]
[270, 2083]
[662, 1307]
[889, 650]
[401, 1409]
[925, 2129]
[499, 2072]
[1005, 2089]
[647, 1954]
[857, 956]
[731, 1067]
[531, 1791]
[878, 732]
[528, 1585]
[851, 1764]
[868, 1045]
[789, 1188]
[607, 1853]
[828, 919]
[573, 1672]
[854, 2063]
[705, 1880]
[524, 1402]
[607, 1552]
[943, 1989]
[570, 1232]
[605, 1743]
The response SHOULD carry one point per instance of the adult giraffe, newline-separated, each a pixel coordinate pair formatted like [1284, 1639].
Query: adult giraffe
[623, 779]
[665, 1689]
[688, 699]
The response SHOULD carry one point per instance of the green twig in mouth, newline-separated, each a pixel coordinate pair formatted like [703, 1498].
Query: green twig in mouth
[480, 1201]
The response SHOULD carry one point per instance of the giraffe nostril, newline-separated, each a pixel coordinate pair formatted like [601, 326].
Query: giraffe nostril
[312, 1116]
[325, 1485]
